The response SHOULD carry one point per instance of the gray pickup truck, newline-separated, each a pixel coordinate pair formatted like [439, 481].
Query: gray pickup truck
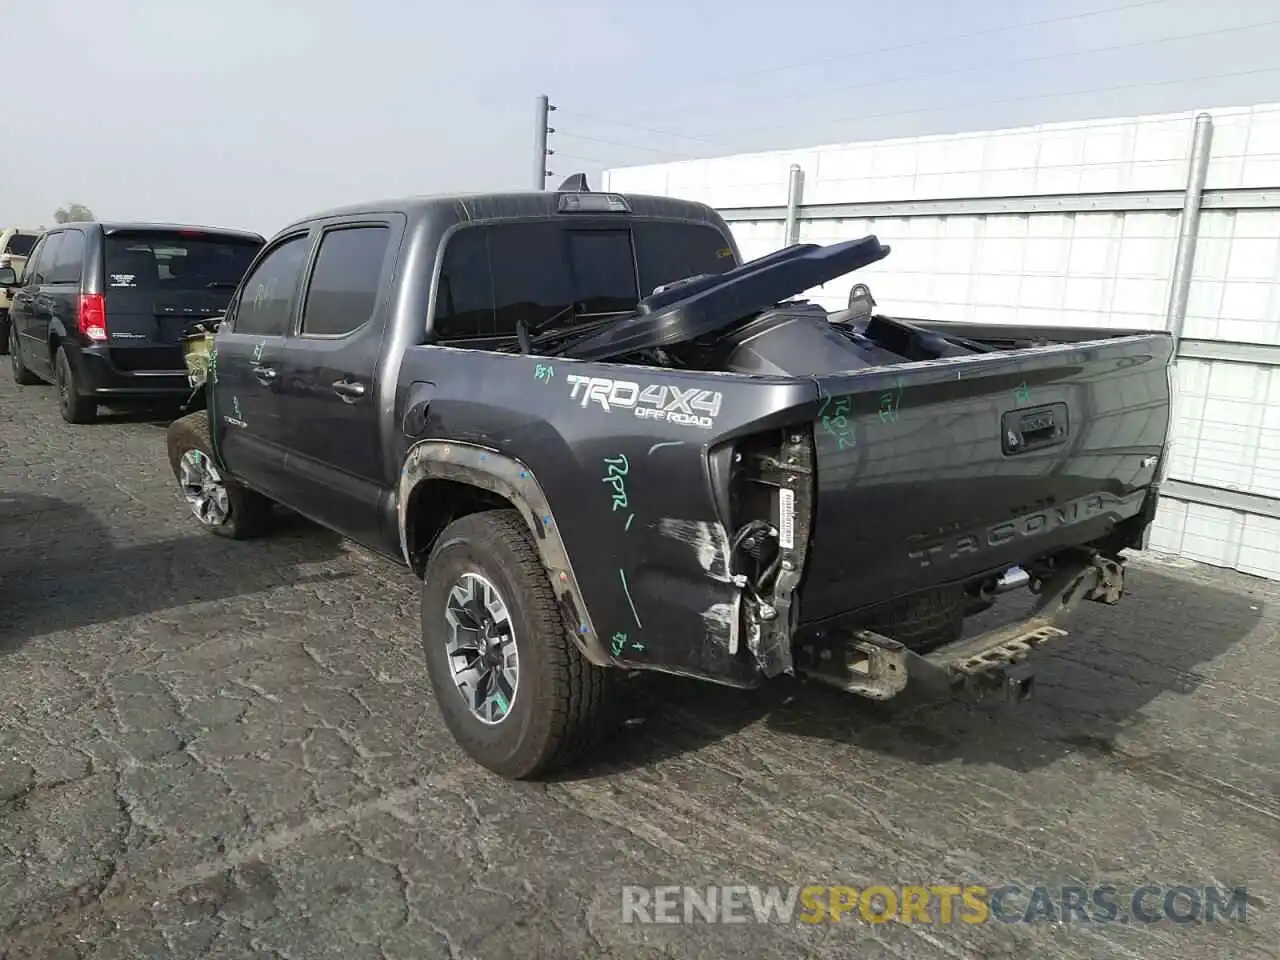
[606, 444]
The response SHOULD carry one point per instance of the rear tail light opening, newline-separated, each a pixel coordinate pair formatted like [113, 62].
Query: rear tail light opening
[91, 316]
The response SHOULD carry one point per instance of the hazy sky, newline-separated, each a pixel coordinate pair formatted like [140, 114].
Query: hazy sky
[251, 114]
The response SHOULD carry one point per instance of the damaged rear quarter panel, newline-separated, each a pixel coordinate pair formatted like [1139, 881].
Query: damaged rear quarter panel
[629, 487]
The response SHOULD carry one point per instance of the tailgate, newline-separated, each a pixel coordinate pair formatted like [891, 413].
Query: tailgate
[937, 472]
[160, 318]
[146, 329]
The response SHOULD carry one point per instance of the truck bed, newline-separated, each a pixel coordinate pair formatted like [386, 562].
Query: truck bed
[882, 484]
[725, 473]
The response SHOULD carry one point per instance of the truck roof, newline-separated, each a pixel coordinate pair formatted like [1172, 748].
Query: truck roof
[464, 207]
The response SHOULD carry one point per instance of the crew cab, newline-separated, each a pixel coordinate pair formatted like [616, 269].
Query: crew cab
[606, 444]
[101, 308]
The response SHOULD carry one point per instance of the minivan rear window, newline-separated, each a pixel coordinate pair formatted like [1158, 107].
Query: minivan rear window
[164, 262]
[20, 244]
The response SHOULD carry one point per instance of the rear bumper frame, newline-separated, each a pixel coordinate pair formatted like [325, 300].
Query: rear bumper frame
[874, 666]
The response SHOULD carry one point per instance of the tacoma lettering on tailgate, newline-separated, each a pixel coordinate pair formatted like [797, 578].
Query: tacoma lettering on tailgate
[1029, 525]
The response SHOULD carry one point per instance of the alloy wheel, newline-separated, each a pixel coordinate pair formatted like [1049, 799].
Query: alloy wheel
[482, 648]
[203, 487]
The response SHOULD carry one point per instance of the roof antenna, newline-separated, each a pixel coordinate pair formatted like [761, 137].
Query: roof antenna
[575, 184]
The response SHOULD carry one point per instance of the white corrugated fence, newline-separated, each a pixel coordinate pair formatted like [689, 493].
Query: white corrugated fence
[1072, 224]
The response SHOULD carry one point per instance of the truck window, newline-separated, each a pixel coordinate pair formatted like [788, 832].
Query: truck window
[553, 273]
[21, 244]
[69, 258]
[344, 283]
[268, 293]
[666, 252]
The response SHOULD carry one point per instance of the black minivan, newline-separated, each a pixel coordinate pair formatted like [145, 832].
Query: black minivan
[101, 308]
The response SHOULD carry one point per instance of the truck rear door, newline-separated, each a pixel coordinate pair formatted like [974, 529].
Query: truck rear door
[329, 388]
[936, 472]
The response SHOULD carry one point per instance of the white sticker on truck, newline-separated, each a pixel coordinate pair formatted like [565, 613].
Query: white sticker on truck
[787, 519]
[690, 407]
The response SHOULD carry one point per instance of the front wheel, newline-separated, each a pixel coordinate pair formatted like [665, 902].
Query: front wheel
[5, 326]
[512, 687]
[222, 506]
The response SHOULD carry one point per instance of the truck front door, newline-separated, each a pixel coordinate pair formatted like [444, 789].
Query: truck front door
[245, 415]
[329, 389]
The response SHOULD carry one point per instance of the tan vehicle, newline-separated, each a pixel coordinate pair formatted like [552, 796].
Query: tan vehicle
[15, 244]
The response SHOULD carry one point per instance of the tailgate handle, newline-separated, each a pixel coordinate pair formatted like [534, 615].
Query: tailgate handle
[1039, 426]
[1025, 430]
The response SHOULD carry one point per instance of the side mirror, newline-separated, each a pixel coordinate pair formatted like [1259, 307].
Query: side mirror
[8, 277]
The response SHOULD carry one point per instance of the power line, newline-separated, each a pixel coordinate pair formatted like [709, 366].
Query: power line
[1026, 99]
[946, 38]
[582, 159]
[619, 143]
[1038, 58]
[608, 121]
[944, 73]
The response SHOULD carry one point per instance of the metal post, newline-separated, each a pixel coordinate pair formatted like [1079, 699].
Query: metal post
[1189, 227]
[795, 190]
[540, 145]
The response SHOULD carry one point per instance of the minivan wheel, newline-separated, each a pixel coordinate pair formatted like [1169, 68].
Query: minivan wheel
[222, 506]
[74, 407]
[21, 375]
[512, 688]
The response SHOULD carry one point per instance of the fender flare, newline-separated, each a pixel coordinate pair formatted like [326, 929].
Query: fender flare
[491, 470]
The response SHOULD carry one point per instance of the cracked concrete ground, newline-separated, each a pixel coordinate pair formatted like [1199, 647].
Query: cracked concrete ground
[215, 749]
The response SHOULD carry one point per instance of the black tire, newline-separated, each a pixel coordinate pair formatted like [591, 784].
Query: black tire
[21, 375]
[248, 512]
[559, 701]
[72, 404]
[5, 325]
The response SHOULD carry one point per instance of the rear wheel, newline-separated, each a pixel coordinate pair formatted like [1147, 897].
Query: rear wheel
[72, 404]
[511, 685]
[222, 506]
[21, 375]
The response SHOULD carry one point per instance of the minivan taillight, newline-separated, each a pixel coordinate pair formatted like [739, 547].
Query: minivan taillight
[92, 316]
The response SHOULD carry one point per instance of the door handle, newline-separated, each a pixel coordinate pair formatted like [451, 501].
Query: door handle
[349, 390]
[266, 375]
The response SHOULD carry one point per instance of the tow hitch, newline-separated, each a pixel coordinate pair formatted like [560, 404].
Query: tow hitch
[877, 667]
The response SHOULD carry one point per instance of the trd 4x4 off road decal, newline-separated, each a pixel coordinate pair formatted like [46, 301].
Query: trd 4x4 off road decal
[692, 407]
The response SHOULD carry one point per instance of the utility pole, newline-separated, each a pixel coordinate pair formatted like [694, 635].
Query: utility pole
[541, 151]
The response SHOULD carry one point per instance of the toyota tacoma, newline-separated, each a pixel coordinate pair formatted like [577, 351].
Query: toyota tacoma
[607, 445]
